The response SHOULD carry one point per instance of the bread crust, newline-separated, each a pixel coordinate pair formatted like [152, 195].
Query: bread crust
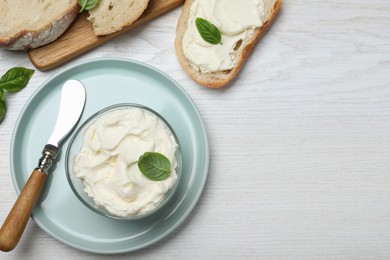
[221, 78]
[26, 39]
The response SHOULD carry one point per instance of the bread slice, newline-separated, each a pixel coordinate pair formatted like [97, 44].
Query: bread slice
[32, 23]
[217, 79]
[110, 16]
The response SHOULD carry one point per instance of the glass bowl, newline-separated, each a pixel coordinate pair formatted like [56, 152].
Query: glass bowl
[77, 184]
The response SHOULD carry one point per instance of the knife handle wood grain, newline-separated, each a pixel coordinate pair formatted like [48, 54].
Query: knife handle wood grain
[16, 221]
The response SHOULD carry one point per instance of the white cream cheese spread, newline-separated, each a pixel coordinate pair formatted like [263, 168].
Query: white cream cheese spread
[107, 161]
[236, 21]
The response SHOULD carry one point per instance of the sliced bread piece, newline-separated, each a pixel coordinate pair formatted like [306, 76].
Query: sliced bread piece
[110, 16]
[204, 73]
[32, 23]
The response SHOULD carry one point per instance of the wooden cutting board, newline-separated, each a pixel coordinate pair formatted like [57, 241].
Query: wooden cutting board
[79, 38]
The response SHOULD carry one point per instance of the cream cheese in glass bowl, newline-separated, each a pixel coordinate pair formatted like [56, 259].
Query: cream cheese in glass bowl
[102, 161]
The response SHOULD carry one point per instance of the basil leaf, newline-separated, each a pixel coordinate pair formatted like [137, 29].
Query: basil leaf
[87, 4]
[2, 94]
[15, 79]
[154, 166]
[208, 31]
[3, 109]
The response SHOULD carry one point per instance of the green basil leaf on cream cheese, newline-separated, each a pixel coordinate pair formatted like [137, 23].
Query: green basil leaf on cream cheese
[154, 166]
[208, 31]
[15, 79]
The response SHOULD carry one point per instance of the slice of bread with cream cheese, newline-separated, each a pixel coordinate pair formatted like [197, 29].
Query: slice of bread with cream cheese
[240, 23]
[30, 23]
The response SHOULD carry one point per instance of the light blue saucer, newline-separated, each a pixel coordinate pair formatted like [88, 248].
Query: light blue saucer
[108, 82]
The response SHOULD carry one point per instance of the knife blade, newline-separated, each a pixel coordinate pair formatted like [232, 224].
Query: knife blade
[72, 103]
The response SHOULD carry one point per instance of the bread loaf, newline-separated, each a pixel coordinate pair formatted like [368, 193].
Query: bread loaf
[32, 23]
[110, 16]
[199, 58]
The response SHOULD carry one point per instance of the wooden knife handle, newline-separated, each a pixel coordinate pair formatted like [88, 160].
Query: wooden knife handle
[16, 221]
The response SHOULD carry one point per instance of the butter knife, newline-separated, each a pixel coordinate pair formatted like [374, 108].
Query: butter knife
[71, 106]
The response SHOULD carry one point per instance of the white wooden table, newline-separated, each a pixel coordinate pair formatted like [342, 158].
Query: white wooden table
[300, 142]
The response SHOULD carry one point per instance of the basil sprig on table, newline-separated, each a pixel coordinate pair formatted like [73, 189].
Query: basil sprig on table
[208, 31]
[87, 4]
[13, 80]
[154, 166]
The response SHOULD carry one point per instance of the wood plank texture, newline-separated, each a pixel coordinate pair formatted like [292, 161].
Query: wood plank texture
[299, 143]
[79, 38]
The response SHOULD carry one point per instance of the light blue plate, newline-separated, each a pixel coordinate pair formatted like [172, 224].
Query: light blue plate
[109, 81]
